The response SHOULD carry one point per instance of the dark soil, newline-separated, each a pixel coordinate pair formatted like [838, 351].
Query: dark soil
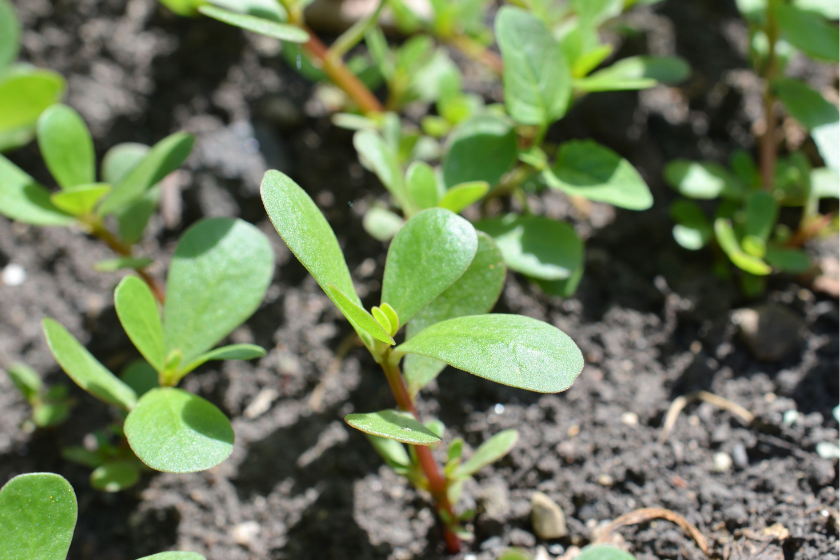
[651, 319]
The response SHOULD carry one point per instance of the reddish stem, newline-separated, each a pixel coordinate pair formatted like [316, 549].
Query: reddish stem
[437, 484]
[768, 144]
[121, 248]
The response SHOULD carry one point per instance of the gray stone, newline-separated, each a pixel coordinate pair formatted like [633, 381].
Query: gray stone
[770, 331]
[547, 518]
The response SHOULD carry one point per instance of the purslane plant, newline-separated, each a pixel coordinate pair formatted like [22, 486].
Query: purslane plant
[745, 225]
[25, 91]
[217, 278]
[38, 513]
[127, 193]
[50, 405]
[441, 278]
[551, 54]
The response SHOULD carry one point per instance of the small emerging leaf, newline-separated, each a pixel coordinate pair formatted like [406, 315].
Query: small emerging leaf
[138, 312]
[84, 369]
[510, 349]
[427, 255]
[488, 453]
[80, 200]
[392, 451]
[284, 32]
[391, 424]
[67, 146]
[728, 242]
[37, 517]
[115, 476]
[171, 430]
[383, 160]
[382, 224]
[26, 380]
[358, 316]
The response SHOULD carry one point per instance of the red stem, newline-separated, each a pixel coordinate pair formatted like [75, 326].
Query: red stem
[121, 248]
[437, 484]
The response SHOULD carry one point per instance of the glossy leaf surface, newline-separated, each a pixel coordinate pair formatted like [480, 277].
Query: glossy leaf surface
[510, 349]
[427, 255]
[481, 149]
[138, 312]
[306, 232]
[67, 146]
[84, 369]
[24, 200]
[390, 424]
[488, 453]
[171, 430]
[165, 157]
[536, 246]
[37, 517]
[474, 293]
[217, 279]
[284, 32]
[588, 169]
[537, 80]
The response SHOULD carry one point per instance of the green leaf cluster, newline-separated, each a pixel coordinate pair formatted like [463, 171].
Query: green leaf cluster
[50, 405]
[38, 513]
[218, 277]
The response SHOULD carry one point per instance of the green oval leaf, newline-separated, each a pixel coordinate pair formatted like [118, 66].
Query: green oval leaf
[24, 200]
[115, 476]
[382, 159]
[120, 160]
[26, 380]
[171, 430]
[663, 69]
[604, 552]
[789, 260]
[84, 369]
[488, 453]
[481, 149]
[138, 312]
[537, 80]
[393, 452]
[510, 349]
[536, 246]
[588, 169]
[9, 35]
[390, 424]
[427, 255]
[357, 315]
[806, 105]
[729, 243]
[702, 180]
[308, 235]
[381, 224]
[121, 263]
[140, 376]
[282, 31]
[37, 517]
[230, 352]
[422, 185]
[808, 32]
[25, 93]
[80, 200]
[761, 212]
[474, 293]
[133, 218]
[67, 146]
[217, 279]
[460, 196]
[165, 157]
[693, 230]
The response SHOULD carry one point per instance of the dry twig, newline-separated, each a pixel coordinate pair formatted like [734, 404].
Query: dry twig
[681, 402]
[647, 514]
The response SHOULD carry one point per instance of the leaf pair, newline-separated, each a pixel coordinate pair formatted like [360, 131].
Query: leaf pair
[38, 514]
[217, 279]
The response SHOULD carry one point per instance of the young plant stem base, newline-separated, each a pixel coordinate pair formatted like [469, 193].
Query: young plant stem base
[437, 484]
[121, 248]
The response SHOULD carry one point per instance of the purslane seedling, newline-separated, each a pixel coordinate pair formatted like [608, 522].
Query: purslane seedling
[50, 405]
[441, 278]
[38, 514]
[745, 225]
[126, 193]
[218, 277]
[25, 91]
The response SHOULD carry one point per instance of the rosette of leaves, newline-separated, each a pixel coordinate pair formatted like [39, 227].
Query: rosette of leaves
[217, 278]
[50, 405]
[25, 91]
[442, 277]
[38, 513]
[126, 191]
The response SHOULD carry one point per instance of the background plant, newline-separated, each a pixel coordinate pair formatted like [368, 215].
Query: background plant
[38, 514]
[466, 151]
[218, 277]
[127, 194]
[25, 91]
[441, 277]
[747, 224]
[50, 405]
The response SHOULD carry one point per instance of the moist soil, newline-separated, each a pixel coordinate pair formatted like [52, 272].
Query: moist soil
[652, 320]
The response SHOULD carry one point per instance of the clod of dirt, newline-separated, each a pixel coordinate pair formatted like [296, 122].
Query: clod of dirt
[770, 331]
[547, 518]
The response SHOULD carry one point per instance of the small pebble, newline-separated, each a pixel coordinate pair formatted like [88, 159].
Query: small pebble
[790, 417]
[541, 554]
[630, 418]
[556, 549]
[828, 450]
[605, 480]
[573, 431]
[721, 462]
[493, 543]
[13, 275]
[739, 455]
[547, 518]
[245, 533]
[518, 537]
